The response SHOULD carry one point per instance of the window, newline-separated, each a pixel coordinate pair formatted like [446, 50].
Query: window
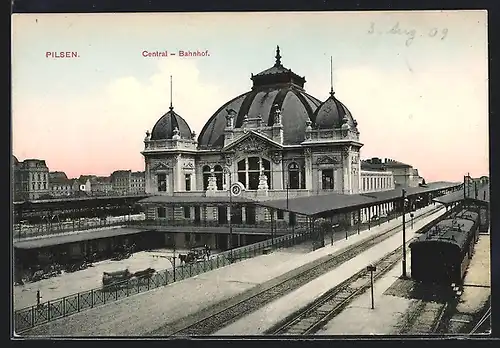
[364, 184]
[293, 176]
[249, 172]
[188, 181]
[161, 212]
[187, 237]
[280, 215]
[218, 172]
[327, 179]
[197, 237]
[162, 182]
[206, 176]
[187, 212]
[303, 178]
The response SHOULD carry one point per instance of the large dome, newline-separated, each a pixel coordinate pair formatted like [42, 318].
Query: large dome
[164, 128]
[284, 88]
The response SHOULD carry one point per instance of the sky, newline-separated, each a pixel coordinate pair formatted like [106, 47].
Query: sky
[416, 82]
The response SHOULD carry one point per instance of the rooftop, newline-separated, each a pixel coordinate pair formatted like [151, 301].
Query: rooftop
[454, 231]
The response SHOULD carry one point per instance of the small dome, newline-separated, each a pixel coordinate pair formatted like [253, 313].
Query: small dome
[333, 114]
[167, 125]
[14, 160]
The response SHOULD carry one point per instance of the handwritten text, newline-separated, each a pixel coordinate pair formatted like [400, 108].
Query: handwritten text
[409, 34]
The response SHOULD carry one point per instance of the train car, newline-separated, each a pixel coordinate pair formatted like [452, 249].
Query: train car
[442, 255]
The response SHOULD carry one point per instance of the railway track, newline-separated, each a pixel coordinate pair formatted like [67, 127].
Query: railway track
[316, 315]
[214, 322]
[423, 318]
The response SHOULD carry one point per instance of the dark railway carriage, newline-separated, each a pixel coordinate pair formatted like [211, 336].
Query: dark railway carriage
[442, 254]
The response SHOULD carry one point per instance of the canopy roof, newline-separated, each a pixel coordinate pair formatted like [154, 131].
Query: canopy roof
[326, 204]
[483, 195]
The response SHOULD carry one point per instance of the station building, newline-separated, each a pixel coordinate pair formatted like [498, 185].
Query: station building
[272, 142]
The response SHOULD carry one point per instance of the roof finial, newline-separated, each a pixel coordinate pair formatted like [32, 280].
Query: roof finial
[278, 56]
[331, 76]
[171, 107]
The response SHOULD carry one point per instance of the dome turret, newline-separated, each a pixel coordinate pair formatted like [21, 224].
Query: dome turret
[171, 125]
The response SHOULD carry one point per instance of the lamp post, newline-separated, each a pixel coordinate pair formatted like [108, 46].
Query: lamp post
[333, 230]
[172, 260]
[228, 172]
[287, 187]
[403, 199]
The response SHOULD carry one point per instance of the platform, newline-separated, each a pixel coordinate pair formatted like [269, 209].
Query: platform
[476, 289]
[151, 313]
[266, 317]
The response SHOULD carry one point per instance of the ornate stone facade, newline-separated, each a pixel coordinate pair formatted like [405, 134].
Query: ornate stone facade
[275, 139]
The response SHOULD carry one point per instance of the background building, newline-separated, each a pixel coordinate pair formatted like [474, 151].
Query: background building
[60, 185]
[403, 174]
[102, 186]
[120, 180]
[137, 183]
[31, 179]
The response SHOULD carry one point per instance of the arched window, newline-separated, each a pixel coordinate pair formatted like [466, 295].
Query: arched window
[293, 176]
[206, 175]
[249, 172]
[218, 172]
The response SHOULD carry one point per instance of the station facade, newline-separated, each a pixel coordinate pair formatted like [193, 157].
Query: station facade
[274, 142]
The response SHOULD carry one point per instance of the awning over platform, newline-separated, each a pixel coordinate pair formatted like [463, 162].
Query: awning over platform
[483, 195]
[74, 237]
[194, 200]
[328, 203]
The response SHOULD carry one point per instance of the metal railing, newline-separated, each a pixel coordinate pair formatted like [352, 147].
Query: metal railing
[265, 225]
[48, 229]
[29, 317]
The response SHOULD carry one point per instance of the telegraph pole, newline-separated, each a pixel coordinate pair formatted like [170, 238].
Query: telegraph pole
[403, 198]
[228, 172]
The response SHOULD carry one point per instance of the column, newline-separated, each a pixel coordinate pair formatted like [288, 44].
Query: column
[308, 166]
[178, 174]
[246, 173]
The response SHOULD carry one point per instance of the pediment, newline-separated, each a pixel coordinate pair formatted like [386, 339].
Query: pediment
[326, 159]
[161, 166]
[253, 142]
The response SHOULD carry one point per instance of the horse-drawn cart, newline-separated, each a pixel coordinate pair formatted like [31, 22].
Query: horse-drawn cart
[198, 254]
[112, 280]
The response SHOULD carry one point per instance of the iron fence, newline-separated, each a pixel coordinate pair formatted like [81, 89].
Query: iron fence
[46, 229]
[30, 317]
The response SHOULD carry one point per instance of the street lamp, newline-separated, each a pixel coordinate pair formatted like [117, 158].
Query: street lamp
[333, 230]
[172, 259]
[228, 172]
[403, 199]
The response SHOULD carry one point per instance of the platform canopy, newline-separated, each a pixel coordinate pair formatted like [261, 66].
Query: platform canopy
[77, 201]
[74, 237]
[482, 196]
[323, 205]
[194, 200]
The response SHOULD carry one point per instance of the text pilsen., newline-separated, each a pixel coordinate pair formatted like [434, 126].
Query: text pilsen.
[180, 53]
[62, 55]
